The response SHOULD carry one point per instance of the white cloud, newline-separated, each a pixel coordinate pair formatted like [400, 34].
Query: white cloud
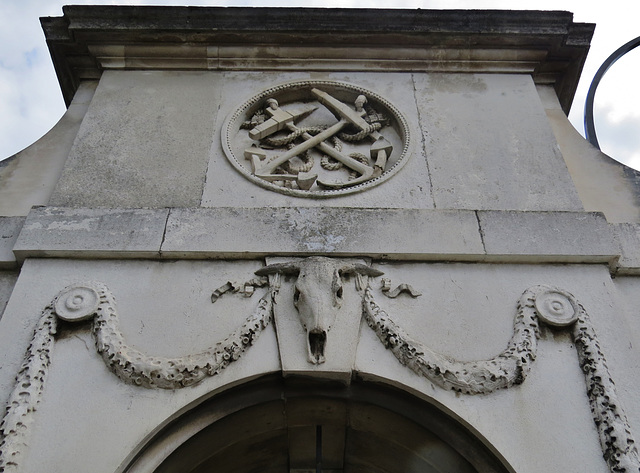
[618, 138]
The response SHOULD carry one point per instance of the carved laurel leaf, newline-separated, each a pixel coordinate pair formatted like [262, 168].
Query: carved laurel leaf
[556, 308]
[133, 366]
[475, 377]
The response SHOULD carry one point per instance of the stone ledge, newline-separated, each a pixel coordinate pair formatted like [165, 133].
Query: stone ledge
[257, 232]
[88, 39]
[628, 236]
[250, 233]
[305, 57]
[91, 233]
[563, 237]
[9, 230]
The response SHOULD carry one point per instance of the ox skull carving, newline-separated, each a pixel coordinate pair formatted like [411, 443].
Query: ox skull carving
[318, 295]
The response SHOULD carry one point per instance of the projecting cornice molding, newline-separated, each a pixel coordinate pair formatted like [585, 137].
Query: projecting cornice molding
[90, 39]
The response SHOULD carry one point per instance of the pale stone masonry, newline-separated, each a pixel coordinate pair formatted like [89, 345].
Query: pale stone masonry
[339, 240]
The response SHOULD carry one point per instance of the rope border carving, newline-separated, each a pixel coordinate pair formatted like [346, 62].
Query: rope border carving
[546, 304]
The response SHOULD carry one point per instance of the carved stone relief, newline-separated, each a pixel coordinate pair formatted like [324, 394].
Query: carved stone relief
[317, 296]
[557, 309]
[316, 139]
[93, 300]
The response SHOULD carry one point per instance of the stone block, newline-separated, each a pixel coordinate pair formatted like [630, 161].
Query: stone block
[144, 142]
[547, 237]
[241, 233]
[628, 237]
[99, 233]
[9, 230]
[489, 144]
[408, 188]
[30, 177]
[603, 184]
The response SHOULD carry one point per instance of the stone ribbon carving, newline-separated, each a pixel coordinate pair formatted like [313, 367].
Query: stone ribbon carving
[94, 300]
[133, 366]
[545, 304]
[26, 393]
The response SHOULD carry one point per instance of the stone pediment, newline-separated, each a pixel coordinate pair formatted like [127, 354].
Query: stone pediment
[547, 45]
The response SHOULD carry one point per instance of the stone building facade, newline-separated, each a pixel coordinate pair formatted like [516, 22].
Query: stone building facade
[294, 240]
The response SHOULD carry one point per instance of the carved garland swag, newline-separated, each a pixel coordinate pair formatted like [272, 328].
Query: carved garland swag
[551, 306]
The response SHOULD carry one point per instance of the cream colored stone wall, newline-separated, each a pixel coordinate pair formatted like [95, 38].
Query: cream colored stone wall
[487, 270]
[465, 312]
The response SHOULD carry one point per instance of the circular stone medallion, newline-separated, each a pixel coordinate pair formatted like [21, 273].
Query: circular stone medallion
[316, 139]
[77, 303]
[556, 308]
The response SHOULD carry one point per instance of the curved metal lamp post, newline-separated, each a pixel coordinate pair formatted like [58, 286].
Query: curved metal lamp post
[589, 126]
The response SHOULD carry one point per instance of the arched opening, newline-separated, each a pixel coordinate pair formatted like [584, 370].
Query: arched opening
[276, 425]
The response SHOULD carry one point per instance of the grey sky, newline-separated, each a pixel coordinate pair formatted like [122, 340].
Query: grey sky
[31, 101]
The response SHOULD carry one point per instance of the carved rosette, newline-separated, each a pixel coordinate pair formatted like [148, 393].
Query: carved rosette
[316, 139]
[556, 308]
[78, 302]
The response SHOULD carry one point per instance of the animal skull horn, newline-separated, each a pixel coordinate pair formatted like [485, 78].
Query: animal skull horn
[283, 268]
[318, 295]
[358, 268]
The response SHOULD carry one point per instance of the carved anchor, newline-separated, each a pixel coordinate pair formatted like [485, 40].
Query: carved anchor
[281, 119]
[381, 148]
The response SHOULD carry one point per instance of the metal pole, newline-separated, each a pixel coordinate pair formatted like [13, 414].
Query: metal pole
[589, 126]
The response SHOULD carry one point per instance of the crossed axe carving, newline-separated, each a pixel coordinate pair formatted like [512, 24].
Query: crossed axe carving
[281, 119]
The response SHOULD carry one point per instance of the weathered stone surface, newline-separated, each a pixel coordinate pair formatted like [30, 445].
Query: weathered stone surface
[165, 311]
[603, 184]
[548, 236]
[305, 305]
[489, 145]
[436, 235]
[237, 233]
[484, 211]
[628, 236]
[9, 230]
[409, 188]
[459, 40]
[29, 177]
[621, 332]
[144, 142]
[467, 312]
[57, 232]
[7, 281]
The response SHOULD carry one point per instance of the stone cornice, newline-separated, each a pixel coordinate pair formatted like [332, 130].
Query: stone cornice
[89, 39]
[482, 236]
